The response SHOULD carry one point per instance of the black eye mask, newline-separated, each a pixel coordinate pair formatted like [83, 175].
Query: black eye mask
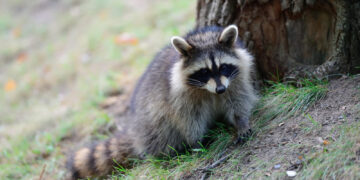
[228, 70]
[202, 76]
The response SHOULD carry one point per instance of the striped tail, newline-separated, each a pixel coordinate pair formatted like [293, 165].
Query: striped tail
[99, 159]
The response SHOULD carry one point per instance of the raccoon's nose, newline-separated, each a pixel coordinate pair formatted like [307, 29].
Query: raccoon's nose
[220, 89]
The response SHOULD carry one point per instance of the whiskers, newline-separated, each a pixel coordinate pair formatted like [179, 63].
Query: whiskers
[234, 74]
[195, 82]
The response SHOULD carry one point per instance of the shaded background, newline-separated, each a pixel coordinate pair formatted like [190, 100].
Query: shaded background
[59, 60]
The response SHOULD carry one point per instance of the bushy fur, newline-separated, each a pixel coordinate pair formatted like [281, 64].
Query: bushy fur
[166, 112]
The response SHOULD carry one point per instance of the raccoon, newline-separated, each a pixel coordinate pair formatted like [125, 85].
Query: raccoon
[199, 79]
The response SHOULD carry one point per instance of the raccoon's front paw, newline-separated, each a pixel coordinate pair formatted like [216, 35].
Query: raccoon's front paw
[243, 137]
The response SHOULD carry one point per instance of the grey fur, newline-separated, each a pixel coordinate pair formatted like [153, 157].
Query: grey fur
[162, 117]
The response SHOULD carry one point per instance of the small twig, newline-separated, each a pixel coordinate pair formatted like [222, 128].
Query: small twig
[208, 168]
[42, 172]
[204, 176]
[216, 163]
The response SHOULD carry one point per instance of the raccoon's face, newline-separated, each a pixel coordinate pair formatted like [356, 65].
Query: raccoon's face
[211, 68]
[212, 71]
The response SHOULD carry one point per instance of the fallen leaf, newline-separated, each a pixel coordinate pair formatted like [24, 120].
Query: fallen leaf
[103, 15]
[21, 57]
[16, 32]
[300, 158]
[326, 142]
[10, 85]
[46, 69]
[322, 141]
[125, 39]
[109, 101]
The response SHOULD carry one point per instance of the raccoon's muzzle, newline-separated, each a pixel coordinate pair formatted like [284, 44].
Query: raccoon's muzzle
[220, 88]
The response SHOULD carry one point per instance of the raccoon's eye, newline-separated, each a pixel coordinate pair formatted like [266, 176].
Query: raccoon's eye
[228, 70]
[224, 68]
[204, 71]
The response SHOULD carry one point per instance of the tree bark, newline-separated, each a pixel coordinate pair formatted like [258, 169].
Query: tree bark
[292, 38]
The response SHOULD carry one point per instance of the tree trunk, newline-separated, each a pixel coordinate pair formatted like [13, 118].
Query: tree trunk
[292, 38]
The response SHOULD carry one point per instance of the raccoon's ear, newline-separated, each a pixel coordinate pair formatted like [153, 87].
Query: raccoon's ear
[229, 35]
[181, 45]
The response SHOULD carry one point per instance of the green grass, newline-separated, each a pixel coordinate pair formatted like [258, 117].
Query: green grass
[174, 167]
[72, 62]
[283, 101]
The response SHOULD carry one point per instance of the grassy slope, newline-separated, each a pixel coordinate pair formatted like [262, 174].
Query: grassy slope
[72, 61]
[279, 102]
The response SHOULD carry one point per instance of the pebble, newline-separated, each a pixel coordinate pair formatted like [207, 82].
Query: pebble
[291, 173]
